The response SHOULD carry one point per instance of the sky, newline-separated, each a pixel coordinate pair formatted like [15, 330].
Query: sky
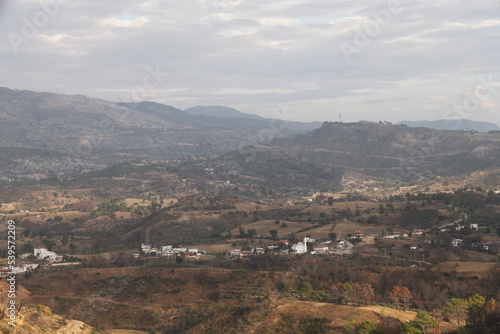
[299, 60]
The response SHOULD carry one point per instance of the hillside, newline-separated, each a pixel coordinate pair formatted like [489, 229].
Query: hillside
[390, 154]
[70, 133]
[454, 124]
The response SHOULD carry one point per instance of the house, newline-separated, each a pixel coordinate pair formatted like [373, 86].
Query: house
[283, 242]
[456, 242]
[413, 247]
[179, 250]
[400, 234]
[359, 234]
[146, 249]
[190, 254]
[389, 236]
[25, 255]
[320, 249]
[341, 244]
[235, 252]
[5, 272]
[259, 251]
[418, 232]
[474, 227]
[43, 254]
[272, 247]
[245, 253]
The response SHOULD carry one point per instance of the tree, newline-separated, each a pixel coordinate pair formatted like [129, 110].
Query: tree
[49, 243]
[306, 289]
[72, 247]
[368, 327]
[251, 233]
[357, 212]
[274, 234]
[28, 248]
[242, 232]
[64, 240]
[456, 309]
[4, 292]
[477, 310]
[400, 296]
[366, 293]
[373, 219]
[423, 321]
[330, 200]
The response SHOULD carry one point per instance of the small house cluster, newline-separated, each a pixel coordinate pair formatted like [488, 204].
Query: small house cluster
[22, 268]
[168, 251]
[301, 247]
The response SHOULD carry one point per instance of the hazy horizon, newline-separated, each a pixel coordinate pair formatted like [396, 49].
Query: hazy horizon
[300, 61]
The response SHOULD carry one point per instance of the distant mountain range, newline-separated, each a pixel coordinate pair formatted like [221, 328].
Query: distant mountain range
[454, 124]
[46, 133]
[221, 111]
[396, 154]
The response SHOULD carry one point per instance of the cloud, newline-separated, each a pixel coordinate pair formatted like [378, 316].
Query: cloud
[260, 55]
[125, 22]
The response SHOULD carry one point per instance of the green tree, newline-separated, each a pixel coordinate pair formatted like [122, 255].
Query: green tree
[72, 247]
[423, 321]
[274, 234]
[28, 248]
[408, 328]
[456, 309]
[357, 212]
[368, 327]
[477, 311]
[306, 289]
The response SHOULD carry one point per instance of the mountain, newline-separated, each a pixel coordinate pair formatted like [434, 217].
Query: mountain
[326, 158]
[220, 111]
[454, 124]
[71, 132]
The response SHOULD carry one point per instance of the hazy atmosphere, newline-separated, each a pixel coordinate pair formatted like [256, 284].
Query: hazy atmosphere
[295, 60]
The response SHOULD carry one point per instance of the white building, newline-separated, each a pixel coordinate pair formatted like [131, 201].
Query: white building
[320, 249]
[456, 242]
[300, 247]
[43, 254]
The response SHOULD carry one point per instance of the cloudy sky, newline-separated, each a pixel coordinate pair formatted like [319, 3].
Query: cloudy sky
[293, 59]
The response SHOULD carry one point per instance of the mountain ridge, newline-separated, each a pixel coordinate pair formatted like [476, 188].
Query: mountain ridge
[454, 124]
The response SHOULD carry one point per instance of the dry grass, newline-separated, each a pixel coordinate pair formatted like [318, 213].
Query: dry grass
[467, 269]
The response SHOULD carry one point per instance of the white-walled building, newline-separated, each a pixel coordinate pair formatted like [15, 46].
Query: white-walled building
[43, 254]
[300, 247]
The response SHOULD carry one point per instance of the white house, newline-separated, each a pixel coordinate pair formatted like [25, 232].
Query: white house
[456, 242]
[235, 252]
[146, 248]
[474, 227]
[43, 254]
[418, 232]
[320, 248]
